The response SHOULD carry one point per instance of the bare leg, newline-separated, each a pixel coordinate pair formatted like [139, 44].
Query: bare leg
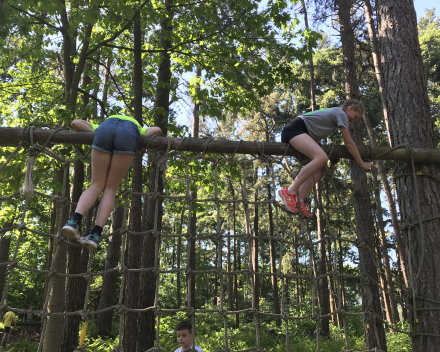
[306, 145]
[100, 168]
[120, 163]
[307, 186]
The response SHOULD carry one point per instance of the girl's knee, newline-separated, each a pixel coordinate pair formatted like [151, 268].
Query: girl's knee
[322, 159]
[98, 186]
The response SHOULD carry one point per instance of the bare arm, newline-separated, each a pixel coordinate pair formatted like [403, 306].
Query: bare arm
[82, 126]
[351, 146]
[153, 131]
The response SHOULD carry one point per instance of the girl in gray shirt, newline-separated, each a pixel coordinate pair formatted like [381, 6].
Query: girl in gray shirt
[303, 133]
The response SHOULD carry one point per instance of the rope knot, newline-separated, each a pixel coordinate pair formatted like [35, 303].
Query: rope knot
[157, 310]
[87, 276]
[80, 348]
[21, 226]
[359, 243]
[188, 270]
[122, 269]
[34, 150]
[120, 308]
[255, 312]
[85, 315]
[123, 230]
[222, 312]
[44, 314]
[155, 233]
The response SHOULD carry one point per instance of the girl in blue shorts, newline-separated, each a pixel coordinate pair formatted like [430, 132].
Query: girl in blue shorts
[114, 146]
[303, 133]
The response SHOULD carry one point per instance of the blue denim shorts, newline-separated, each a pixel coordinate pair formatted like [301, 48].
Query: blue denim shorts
[116, 136]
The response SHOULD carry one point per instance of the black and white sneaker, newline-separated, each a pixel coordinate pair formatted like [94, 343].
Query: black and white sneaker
[71, 230]
[90, 241]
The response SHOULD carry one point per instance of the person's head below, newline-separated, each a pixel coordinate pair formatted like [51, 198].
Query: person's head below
[184, 334]
[353, 109]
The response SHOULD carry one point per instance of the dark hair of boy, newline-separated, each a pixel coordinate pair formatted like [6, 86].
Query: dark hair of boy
[184, 325]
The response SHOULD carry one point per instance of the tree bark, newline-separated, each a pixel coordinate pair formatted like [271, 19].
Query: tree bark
[229, 269]
[272, 255]
[105, 86]
[129, 339]
[323, 292]
[375, 52]
[373, 327]
[153, 219]
[386, 187]
[410, 122]
[193, 214]
[52, 338]
[74, 296]
[385, 257]
[255, 266]
[109, 280]
[5, 244]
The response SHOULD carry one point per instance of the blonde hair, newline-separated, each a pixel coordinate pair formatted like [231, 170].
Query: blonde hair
[353, 102]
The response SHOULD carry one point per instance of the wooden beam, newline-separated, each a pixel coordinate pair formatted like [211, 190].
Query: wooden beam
[11, 136]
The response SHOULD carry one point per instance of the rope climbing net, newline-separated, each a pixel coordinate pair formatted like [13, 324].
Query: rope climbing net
[188, 170]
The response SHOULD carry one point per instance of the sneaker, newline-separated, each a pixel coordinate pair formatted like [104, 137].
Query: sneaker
[71, 230]
[90, 241]
[290, 200]
[305, 210]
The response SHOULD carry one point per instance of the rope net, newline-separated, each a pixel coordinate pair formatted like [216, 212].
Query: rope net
[232, 214]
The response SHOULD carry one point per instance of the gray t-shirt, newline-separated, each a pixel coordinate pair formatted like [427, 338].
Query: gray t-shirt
[322, 123]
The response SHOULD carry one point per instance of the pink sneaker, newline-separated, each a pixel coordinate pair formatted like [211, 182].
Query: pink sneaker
[290, 200]
[305, 210]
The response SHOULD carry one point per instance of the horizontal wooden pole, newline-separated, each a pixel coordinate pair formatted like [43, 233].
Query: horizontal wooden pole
[10, 136]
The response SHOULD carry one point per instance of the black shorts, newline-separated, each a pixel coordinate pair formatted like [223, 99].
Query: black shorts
[292, 129]
[7, 329]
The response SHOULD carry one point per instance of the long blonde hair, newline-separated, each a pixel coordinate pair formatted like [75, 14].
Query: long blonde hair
[353, 102]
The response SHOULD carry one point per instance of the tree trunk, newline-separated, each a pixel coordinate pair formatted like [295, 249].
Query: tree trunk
[5, 244]
[74, 296]
[373, 327]
[386, 306]
[380, 165]
[273, 268]
[236, 267]
[410, 123]
[109, 280]
[311, 69]
[105, 86]
[255, 266]
[376, 60]
[54, 326]
[229, 269]
[153, 219]
[323, 292]
[193, 214]
[333, 303]
[133, 253]
[385, 258]
[179, 249]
